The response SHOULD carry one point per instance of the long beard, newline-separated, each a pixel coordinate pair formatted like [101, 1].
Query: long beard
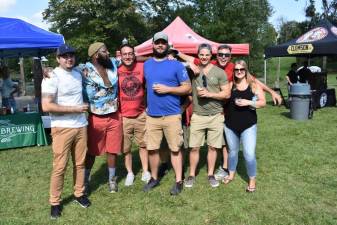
[160, 55]
[105, 62]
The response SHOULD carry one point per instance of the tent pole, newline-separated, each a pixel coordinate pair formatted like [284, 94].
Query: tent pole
[265, 69]
[22, 77]
[277, 83]
[325, 58]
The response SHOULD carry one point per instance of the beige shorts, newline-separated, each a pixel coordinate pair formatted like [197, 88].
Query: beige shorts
[169, 126]
[213, 125]
[186, 135]
[133, 128]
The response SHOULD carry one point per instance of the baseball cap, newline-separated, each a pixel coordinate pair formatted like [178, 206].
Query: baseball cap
[94, 47]
[64, 49]
[160, 35]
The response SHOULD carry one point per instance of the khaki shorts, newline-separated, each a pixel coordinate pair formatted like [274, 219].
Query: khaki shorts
[169, 126]
[186, 135]
[214, 126]
[133, 128]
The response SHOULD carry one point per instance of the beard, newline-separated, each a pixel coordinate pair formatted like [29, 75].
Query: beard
[160, 55]
[104, 61]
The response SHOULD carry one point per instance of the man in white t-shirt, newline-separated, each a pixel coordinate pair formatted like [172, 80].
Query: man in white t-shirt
[62, 98]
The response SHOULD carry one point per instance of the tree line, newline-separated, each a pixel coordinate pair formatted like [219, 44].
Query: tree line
[232, 21]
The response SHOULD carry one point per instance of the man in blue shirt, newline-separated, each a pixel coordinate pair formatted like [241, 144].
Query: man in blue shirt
[166, 81]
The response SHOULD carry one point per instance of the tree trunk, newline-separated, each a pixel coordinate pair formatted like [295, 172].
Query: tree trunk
[37, 74]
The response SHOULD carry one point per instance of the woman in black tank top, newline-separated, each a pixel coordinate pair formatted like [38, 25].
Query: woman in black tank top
[240, 122]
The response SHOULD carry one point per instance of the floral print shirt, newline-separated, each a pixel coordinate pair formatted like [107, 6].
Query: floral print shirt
[102, 99]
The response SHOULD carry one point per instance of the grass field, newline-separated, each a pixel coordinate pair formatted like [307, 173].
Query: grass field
[296, 183]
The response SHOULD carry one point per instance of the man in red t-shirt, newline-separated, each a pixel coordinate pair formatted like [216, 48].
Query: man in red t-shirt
[223, 60]
[132, 107]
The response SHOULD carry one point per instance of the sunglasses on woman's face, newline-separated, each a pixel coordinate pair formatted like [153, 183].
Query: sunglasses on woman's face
[240, 70]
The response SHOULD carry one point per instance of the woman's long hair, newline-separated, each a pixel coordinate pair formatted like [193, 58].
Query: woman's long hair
[250, 78]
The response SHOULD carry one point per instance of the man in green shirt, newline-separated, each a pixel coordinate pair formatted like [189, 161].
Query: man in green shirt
[209, 90]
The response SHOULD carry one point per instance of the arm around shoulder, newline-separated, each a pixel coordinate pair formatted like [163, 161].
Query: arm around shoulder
[276, 97]
[261, 99]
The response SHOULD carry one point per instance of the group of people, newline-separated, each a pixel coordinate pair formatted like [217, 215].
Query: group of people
[8, 89]
[301, 74]
[128, 99]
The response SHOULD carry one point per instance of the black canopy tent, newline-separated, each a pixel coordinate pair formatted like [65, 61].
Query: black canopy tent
[319, 41]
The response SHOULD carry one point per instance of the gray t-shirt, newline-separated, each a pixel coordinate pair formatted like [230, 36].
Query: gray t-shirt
[208, 106]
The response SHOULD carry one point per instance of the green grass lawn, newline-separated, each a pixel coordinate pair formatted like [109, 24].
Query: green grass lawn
[296, 183]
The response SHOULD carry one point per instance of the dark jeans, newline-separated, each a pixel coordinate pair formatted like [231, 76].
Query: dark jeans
[9, 102]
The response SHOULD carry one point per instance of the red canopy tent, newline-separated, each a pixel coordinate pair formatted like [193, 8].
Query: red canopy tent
[184, 39]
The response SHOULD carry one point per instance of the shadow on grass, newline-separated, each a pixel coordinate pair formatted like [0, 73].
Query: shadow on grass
[286, 114]
[202, 160]
[100, 176]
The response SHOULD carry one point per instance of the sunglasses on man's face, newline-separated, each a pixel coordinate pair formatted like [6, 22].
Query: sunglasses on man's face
[204, 80]
[224, 55]
[239, 69]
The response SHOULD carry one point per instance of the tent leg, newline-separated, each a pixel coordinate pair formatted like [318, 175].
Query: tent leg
[265, 71]
[22, 77]
[277, 83]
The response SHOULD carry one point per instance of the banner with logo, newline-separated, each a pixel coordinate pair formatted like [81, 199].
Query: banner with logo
[21, 129]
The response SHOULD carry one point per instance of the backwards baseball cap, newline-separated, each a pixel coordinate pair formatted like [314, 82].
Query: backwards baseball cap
[160, 35]
[64, 49]
[93, 48]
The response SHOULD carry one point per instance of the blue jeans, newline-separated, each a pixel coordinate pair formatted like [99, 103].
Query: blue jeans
[248, 138]
[9, 102]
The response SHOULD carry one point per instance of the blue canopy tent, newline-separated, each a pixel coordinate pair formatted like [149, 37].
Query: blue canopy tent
[19, 39]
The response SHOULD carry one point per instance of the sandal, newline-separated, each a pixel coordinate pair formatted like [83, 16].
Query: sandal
[227, 180]
[250, 189]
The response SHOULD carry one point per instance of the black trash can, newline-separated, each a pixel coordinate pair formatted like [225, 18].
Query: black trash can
[300, 97]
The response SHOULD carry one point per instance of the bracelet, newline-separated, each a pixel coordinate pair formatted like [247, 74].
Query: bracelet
[254, 103]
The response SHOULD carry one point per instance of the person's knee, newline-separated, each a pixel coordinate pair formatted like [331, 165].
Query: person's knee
[175, 154]
[194, 150]
[153, 152]
[250, 157]
[212, 149]
[59, 169]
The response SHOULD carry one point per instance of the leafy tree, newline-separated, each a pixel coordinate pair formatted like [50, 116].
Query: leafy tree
[83, 22]
[230, 21]
[160, 13]
[237, 21]
[289, 30]
[329, 12]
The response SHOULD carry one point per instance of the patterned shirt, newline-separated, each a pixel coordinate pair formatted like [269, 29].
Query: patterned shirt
[102, 99]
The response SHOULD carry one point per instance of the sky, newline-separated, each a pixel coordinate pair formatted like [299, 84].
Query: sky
[27, 10]
[290, 10]
[31, 10]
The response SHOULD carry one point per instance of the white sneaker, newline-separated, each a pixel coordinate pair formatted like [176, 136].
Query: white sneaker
[146, 176]
[129, 179]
